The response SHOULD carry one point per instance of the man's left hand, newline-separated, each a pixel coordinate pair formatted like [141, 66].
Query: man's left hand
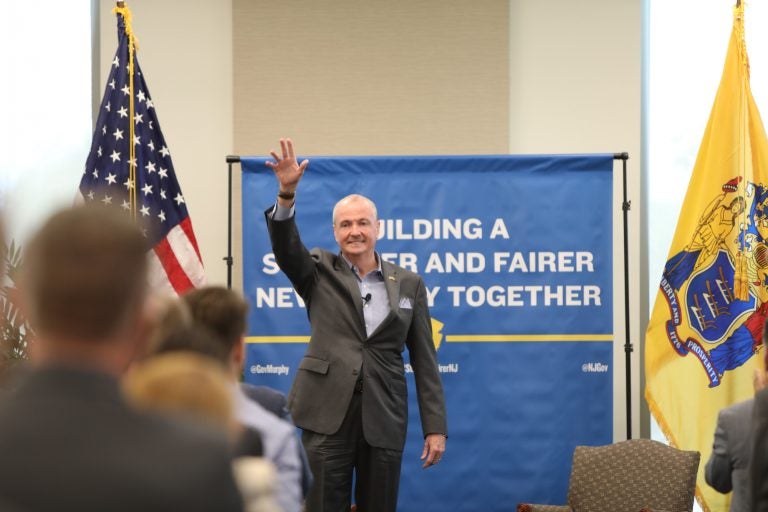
[434, 447]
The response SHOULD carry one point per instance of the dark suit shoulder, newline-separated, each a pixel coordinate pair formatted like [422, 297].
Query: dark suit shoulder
[88, 448]
[324, 256]
[270, 399]
[741, 411]
[761, 401]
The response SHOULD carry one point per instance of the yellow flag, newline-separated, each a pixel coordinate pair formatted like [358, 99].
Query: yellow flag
[707, 321]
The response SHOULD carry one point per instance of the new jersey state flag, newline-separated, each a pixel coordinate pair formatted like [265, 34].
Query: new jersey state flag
[704, 335]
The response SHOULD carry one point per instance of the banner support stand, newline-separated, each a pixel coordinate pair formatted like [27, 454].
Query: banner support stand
[625, 206]
[231, 159]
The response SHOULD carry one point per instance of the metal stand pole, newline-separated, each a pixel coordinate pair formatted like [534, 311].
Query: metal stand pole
[231, 159]
[625, 206]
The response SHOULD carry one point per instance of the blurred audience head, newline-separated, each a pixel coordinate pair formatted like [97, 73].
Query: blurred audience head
[765, 335]
[760, 379]
[195, 339]
[166, 316]
[164, 378]
[84, 280]
[223, 312]
[185, 384]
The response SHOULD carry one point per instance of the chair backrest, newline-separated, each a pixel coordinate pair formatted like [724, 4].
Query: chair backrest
[632, 475]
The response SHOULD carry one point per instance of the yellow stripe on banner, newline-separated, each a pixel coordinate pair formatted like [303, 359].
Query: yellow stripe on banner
[511, 338]
[463, 338]
[277, 339]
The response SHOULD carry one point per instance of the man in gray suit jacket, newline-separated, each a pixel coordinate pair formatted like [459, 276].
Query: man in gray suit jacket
[349, 395]
[758, 462]
[68, 439]
[728, 466]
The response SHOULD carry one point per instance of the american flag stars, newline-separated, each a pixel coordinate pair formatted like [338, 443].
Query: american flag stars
[128, 134]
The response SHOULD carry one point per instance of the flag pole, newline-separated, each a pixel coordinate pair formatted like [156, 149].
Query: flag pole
[741, 280]
[123, 10]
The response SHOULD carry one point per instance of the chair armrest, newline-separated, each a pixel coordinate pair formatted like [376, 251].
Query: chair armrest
[533, 507]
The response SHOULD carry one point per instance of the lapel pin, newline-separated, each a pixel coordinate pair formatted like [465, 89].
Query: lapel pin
[391, 278]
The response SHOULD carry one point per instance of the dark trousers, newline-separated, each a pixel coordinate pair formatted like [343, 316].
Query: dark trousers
[333, 458]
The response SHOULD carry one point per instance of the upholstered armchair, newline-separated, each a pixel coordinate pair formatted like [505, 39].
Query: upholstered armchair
[632, 476]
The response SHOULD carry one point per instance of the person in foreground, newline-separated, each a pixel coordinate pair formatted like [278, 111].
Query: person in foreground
[197, 386]
[222, 312]
[727, 469]
[757, 477]
[349, 395]
[68, 438]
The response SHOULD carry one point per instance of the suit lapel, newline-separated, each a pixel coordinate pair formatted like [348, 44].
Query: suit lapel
[392, 282]
[350, 281]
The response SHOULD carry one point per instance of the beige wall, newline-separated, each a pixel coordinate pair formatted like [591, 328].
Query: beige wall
[369, 77]
[400, 77]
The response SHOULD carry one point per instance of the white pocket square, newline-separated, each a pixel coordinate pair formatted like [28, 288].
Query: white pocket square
[405, 303]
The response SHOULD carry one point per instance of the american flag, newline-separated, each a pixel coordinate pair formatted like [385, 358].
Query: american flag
[174, 256]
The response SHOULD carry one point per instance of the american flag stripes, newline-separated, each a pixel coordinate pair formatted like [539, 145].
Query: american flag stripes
[137, 175]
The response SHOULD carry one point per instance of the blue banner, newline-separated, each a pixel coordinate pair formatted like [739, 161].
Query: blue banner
[516, 254]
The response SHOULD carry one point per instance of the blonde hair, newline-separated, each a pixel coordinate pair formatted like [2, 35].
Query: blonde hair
[183, 383]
